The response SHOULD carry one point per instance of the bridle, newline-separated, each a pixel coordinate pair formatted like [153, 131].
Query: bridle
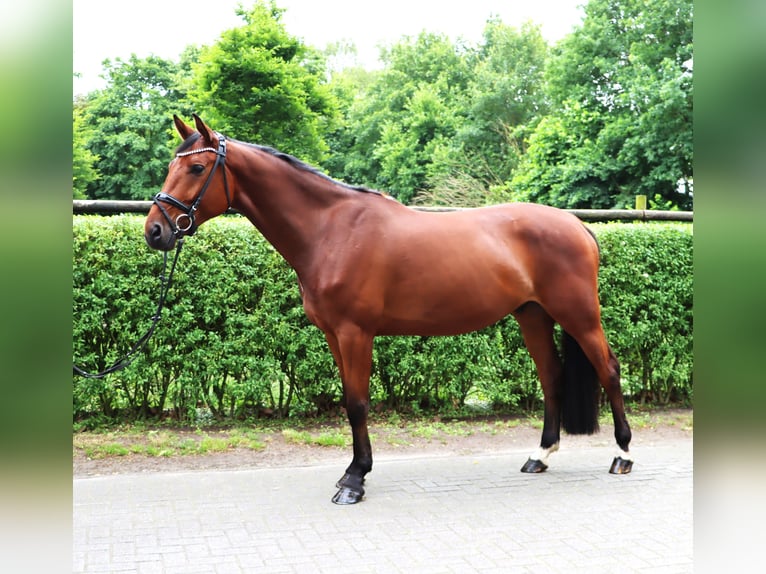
[184, 223]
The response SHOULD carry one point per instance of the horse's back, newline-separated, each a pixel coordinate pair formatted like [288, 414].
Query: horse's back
[532, 234]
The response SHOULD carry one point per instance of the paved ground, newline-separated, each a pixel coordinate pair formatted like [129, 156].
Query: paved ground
[461, 514]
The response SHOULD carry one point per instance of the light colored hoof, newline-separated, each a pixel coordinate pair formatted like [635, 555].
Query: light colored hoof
[621, 466]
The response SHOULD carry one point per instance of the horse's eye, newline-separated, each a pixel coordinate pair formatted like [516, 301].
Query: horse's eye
[197, 168]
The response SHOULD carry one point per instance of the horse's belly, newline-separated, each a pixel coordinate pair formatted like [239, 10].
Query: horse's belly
[455, 315]
[429, 326]
[453, 295]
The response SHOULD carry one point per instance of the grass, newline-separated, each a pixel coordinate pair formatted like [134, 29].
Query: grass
[652, 418]
[141, 439]
[332, 438]
[162, 443]
[430, 430]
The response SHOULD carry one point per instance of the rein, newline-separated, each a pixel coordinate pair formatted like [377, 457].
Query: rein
[130, 356]
[184, 224]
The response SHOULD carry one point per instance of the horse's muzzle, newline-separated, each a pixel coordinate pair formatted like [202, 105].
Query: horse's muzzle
[159, 237]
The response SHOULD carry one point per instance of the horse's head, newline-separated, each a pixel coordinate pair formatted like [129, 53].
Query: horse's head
[195, 188]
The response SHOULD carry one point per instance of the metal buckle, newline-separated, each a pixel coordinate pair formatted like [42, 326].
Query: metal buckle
[179, 217]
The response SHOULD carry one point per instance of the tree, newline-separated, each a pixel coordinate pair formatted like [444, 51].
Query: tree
[443, 121]
[265, 86]
[503, 102]
[620, 125]
[129, 127]
[398, 123]
[84, 172]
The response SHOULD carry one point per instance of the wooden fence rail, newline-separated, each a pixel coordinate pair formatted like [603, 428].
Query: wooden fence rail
[110, 207]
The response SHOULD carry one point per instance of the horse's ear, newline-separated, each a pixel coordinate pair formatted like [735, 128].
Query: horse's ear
[204, 131]
[183, 130]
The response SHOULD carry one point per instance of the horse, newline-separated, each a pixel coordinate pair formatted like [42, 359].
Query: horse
[368, 265]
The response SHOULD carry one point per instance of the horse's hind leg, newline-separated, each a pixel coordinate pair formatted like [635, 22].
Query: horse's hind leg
[601, 356]
[537, 329]
[592, 342]
[572, 301]
[352, 349]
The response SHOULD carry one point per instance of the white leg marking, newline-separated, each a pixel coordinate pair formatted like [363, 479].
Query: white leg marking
[623, 455]
[542, 454]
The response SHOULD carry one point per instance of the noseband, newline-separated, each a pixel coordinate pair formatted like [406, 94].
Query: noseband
[184, 223]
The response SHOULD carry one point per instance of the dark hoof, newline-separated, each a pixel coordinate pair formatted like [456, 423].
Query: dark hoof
[348, 496]
[351, 481]
[534, 466]
[351, 490]
[621, 466]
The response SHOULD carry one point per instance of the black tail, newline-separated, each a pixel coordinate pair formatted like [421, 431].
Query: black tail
[579, 411]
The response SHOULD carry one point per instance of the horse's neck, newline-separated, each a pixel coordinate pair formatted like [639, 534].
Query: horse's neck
[286, 204]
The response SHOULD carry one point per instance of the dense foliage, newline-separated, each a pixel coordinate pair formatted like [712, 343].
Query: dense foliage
[127, 127]
[259, 84]
[621, 90]
[603, 115]
[234, 339]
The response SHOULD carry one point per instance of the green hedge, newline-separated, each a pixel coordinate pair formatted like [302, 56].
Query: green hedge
[234, 340]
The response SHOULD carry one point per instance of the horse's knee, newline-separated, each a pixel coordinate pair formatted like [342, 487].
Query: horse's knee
[357, 412]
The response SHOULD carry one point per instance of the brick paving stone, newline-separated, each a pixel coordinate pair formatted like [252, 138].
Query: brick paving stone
[428, 514]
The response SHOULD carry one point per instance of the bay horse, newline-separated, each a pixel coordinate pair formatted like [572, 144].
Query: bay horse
[368, 265]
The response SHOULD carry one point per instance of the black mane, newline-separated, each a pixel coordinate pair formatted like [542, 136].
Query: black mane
[298, 164]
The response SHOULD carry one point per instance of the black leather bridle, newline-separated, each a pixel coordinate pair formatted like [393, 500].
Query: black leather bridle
[184, 223]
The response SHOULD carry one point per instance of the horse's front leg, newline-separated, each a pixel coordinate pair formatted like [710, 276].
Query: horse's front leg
[352, 349]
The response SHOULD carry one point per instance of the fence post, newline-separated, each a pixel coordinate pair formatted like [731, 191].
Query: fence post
[640, 203]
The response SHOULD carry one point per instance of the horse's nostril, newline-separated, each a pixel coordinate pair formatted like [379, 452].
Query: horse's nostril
[154, 236]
